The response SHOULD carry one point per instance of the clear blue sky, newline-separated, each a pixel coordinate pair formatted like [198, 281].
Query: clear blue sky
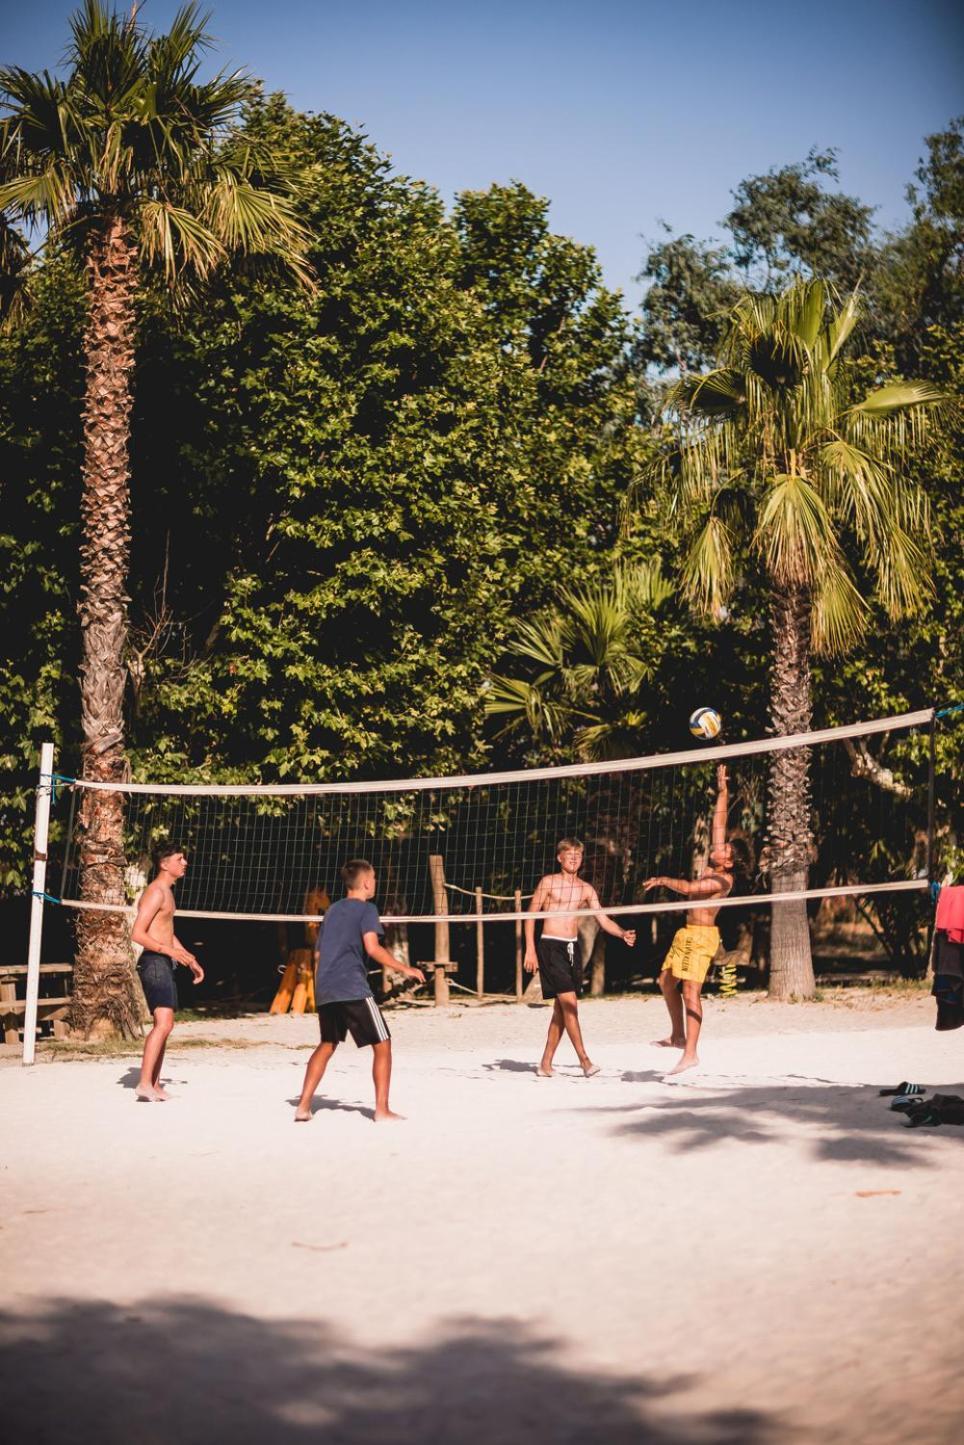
[622, 112]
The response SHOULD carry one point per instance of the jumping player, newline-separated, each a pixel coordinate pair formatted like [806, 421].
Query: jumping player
[694, 945]
[349, 935]
[154, 931]
[558, 958]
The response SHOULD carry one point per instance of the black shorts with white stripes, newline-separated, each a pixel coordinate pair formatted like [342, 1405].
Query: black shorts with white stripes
[360, 1017]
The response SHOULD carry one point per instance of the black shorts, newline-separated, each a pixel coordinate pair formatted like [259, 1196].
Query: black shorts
[157, 979]
[361, 1017]
[560, 966]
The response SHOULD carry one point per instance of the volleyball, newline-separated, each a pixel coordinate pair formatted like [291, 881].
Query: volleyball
[705, 723]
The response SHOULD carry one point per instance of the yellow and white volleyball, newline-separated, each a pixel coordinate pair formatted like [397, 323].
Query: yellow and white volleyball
[705, 723]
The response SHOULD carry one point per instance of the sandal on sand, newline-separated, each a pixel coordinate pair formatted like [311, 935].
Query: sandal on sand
[905, 1088]
[905, 1103]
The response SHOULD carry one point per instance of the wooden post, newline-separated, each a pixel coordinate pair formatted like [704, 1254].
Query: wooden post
[518, 946]
[436, 869]
[8, 995]
[479, 947]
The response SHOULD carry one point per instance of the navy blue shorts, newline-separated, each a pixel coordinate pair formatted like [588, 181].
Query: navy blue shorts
[361, 1017]
[157, 978]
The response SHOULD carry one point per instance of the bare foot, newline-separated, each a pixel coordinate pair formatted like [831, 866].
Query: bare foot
[147, 1094]
[386, 1116]
[682, 1066]
[589, 1068]
[303, 1116]
[160, 1093]
[669, 1043]
[543, 1073]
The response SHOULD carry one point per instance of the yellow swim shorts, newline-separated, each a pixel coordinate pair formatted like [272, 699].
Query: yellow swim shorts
[692, 951]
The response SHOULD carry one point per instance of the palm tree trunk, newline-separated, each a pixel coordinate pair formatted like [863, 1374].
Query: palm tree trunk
[104, 996]
[789, 837]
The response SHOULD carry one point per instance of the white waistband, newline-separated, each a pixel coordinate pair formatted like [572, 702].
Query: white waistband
[557, 938]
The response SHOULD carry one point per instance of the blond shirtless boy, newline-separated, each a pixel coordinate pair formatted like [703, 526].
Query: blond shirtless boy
[558, 959]
[154, 931]
[694, 945]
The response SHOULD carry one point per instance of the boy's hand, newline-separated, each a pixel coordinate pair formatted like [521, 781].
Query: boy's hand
[652, 883]
[531, 962]
[180, 955]
[629, 938]
[721, 777]
[415, 973]
[197, 971]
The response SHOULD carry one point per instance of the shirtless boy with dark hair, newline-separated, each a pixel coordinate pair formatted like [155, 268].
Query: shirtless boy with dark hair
[154, 930]
[558, 958]
[694, 945]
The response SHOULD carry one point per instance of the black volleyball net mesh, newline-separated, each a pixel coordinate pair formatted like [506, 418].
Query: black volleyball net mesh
[470, 847]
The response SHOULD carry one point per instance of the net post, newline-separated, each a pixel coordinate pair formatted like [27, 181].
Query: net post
[41, 829]
[931, 802]
[518, 947]
[479, 947]
[436, 870]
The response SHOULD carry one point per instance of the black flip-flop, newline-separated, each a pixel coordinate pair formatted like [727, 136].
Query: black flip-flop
[904, 1088]
[905, 1103]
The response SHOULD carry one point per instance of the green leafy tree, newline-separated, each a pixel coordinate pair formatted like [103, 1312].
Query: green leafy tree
[777, 461]
[129, 159]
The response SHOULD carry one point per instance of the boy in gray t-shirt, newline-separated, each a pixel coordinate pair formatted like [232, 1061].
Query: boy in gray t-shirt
[349, 936]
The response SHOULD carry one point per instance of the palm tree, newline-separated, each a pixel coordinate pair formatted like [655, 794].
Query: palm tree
[584, 660]
[136, 162]
[776, 457]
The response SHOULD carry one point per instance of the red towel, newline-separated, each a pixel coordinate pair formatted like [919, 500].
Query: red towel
[950, 913]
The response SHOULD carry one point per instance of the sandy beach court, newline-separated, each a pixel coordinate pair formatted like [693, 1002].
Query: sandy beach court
[758, 1254]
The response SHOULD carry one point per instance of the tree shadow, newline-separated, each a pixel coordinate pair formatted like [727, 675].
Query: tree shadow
[191, 1369]
[319, 1105]
[842, 1121]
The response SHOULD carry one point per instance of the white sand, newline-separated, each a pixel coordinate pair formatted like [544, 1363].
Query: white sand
[763, 1253]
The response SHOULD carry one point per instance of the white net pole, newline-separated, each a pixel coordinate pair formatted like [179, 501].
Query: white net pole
[40, 833]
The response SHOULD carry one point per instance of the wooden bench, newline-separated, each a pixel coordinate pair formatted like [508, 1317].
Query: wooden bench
[12, 1009]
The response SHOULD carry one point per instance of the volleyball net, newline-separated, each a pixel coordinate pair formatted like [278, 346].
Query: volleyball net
[849, 807]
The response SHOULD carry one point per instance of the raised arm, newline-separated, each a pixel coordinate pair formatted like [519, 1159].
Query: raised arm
[709, 887]
[722, 808]
[380, 955]
[536, 904]
[609, 925]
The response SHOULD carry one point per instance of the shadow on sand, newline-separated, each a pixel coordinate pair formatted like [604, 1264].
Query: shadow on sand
[192, 1370]
[841, 1121]
[318, 1105]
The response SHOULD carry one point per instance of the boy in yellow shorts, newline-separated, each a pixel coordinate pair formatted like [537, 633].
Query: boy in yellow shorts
[694, 945]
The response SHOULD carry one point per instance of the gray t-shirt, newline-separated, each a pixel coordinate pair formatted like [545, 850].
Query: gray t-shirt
[342, 972]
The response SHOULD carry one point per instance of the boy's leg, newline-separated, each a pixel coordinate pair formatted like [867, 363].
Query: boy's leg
[569, 1007]
[553, 1037]
[154, 1053]
[694, 1021]
[314, 1074]
[382, 1075]
[670, 990]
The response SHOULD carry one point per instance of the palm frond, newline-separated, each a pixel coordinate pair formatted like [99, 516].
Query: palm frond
[795, 531]
[901, 396]
[708, 568]
[839, 612]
